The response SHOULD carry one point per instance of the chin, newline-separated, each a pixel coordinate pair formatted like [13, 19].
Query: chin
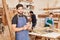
[20, 12]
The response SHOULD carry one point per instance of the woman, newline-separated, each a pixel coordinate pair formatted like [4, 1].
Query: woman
[49, 22]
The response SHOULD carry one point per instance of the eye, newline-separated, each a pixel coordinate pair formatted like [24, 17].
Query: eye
[19, 9]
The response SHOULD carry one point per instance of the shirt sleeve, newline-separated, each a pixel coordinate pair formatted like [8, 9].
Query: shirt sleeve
[14, 20]
[52, 22]
[34, 19]
[46, 21]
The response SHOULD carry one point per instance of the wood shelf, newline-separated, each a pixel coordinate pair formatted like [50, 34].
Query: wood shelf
[46, 15]
[26, 0]
[51, 8]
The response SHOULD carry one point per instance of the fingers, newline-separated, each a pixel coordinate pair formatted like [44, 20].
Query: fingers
[26, 27]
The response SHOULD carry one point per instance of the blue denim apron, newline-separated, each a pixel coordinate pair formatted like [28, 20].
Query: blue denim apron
[22, 35]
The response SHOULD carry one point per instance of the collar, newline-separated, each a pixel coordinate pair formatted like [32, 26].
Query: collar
[20, 15]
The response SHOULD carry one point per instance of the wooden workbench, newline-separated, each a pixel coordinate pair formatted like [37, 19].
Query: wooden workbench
[46, 36]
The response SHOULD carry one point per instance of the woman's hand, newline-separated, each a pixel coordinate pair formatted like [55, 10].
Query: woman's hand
[27, 26]
[50, 26]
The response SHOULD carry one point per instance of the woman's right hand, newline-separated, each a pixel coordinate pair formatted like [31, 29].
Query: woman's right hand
[50, 26]
[25, 27]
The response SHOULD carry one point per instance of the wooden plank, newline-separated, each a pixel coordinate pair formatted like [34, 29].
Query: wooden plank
[46, 15]
[1, 11]
[20, 0]
[0, 16]
[30, 0]
[59, 24]
[8, 19]
[51, 8]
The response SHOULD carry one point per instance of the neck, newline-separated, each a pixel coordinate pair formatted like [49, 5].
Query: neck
[50, 17]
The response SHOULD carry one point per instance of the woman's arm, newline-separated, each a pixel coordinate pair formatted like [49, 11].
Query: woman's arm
[52, 22]
[28, 25]
[46, 21]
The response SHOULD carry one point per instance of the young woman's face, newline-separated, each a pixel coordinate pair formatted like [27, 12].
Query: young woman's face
[20, 10]
[51, 15]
